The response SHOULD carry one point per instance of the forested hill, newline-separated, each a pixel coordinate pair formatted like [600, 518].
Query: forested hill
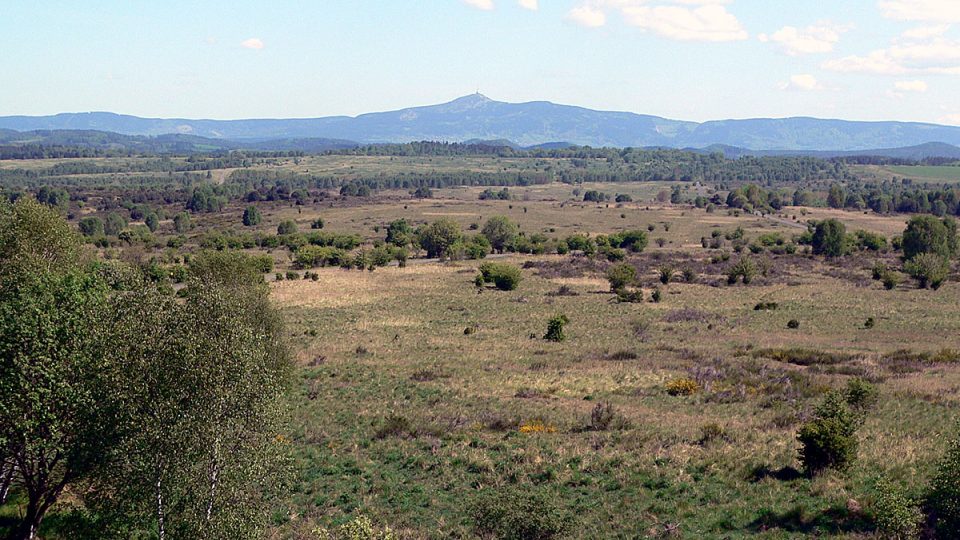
[476, 117]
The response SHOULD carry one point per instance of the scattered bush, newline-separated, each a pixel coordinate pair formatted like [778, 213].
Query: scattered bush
[829, 238]
[555, 328]
[861, 395]
[793, 324]
[766, 306]
[620, 276]
[869, 323]
[890, 280]
[602, 417]
[511, 514]
[287, 227]
[928, 234]
[689, 275]
[630, 296]
[683, 386]
[665, 273]
[829, 440]
[929, 269]
[744, 269]
[656, 296]
[394, 426]
[505, 277]
[712, 432]
[361, 528]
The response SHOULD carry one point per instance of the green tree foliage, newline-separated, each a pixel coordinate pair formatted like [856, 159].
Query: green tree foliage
[898, 517]
[929, 269]
[91, 226]
[555, 328]
[510, 514]
[927, 234]
[829, 238]
[505, 277]
[54, 197]
[944, 498]
[169, 411]
[399, 233]
[500, 231]
[113, 224]
[181, 222]
[438, 237]
[621, 275]
[836, 197]
[287, 227]
[251, 216]
[829, 440]
[152, 221]
[52, 425]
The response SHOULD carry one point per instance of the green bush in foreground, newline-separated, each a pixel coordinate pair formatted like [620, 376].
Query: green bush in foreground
[897, 516]
[929, 269]
[621, 275]
[944, 498]
[829, 441]
[510, 514]
[361, 528]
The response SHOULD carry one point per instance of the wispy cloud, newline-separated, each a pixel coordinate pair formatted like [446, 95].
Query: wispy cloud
[252, 43]
[803, 82]
[816, 39]
[532, 5]
[682, 20]
[588, 16]
[936, 56]
[926, 32]
[911, 86]
[485, 5]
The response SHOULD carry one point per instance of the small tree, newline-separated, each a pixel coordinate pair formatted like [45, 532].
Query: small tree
[181, 222]
[829, 441]
[744, 269]
[666, 274]
[438, 237]
[927, 234]
[500, 231]
[621, 275]
[91, 226]
[555, 328]
[505, 277]
[252, 217]
[829, 238]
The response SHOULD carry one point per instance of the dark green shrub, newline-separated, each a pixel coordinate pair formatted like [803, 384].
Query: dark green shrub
[511, 514]
[869, 323]
[829, 238]
[944, 499]
[292, 275]
[927, 234]
[829, 441]
[712, 432]
[878, 270]
[793, 324]
[317, 223]
[555, 328]
[689, 275]
[766, 306]
[505, 277]
[630, 296]
[657, 295]
[91, 226]
[601, 417]
[251, 216]
[279, 276]
[287, 227]
[621, 275]
[394, 426]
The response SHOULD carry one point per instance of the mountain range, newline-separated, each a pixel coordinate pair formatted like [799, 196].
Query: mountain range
[476, 117]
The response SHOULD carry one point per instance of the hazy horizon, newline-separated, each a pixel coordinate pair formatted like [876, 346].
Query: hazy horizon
[697, 60]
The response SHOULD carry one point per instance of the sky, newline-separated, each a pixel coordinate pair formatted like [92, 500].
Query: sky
[684, 59]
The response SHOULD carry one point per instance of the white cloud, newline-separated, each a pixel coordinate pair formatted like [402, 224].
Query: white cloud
[926, 32]
[937, 56]
[252, 43]
[936, 11]
[804, 82]
[532, 5]
[485, 5]
[587, 16]
[911, 86]
[683, 20]
[816, 39]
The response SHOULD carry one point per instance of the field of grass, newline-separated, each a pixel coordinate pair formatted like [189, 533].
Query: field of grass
[415, 388]
[944, 174]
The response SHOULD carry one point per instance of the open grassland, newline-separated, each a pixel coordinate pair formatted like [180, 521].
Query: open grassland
[933, 174]
[418, 395]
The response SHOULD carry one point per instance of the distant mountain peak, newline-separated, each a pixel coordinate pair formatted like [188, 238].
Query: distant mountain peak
[465, 103]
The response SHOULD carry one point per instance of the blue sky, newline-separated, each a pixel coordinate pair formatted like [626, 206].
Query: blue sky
[684, 59]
